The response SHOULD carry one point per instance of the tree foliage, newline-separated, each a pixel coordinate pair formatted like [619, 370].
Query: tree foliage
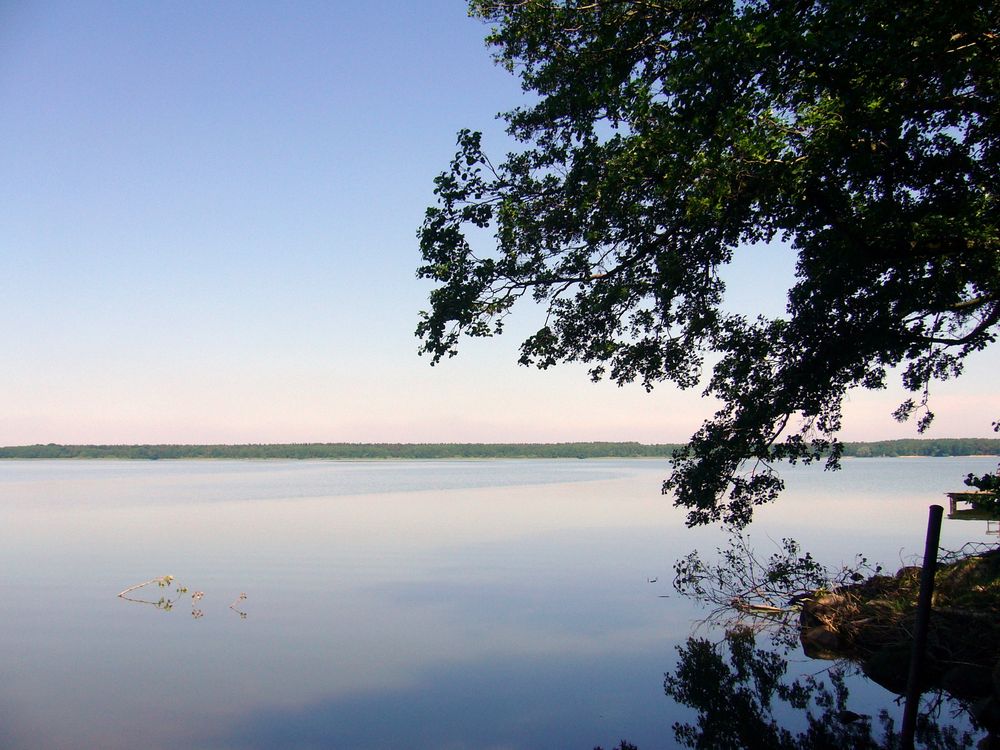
[662, 137]
[989, 484]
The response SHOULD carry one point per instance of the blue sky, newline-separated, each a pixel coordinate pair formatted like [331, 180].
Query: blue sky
[207, 234]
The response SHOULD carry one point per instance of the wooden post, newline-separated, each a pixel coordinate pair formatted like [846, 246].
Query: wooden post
[920, 628]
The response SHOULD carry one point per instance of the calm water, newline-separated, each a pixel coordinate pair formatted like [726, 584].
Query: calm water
[494, 604]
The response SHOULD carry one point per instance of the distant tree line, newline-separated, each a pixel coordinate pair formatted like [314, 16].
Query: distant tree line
[914, 447]
[359, 451]
[345, 451]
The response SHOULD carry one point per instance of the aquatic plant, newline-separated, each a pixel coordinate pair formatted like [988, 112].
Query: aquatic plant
[166, 604]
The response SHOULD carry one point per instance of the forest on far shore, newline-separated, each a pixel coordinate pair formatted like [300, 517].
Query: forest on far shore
[355, 451]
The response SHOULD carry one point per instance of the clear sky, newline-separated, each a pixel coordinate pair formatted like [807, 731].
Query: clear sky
[207, 234]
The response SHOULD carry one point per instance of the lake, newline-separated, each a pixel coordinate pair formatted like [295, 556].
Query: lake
[437, 604]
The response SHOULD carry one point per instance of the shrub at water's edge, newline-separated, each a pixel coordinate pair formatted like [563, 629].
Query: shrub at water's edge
[871, 622]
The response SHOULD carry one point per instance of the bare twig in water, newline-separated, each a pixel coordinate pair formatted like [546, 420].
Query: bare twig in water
[745, 589]
[166, 604]
[237, 600]
[162, 581]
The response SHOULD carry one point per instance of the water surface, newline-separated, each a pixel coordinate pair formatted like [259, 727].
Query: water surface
[438, 604]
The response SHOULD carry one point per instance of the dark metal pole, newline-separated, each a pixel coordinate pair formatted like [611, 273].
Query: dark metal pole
[920, 627]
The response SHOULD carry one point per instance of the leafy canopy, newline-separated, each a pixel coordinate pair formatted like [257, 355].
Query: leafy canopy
[665, 135]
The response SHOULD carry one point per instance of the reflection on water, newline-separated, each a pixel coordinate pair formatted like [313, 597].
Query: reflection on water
[165, 604]
[744, 700]
[855, 616]
[489, 604]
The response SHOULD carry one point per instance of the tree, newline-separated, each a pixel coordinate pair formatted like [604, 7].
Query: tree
[666, 135]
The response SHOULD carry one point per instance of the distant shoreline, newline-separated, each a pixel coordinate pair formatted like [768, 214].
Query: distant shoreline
[940, 447]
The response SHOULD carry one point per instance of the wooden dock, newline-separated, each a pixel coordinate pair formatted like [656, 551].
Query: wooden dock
[960, 508]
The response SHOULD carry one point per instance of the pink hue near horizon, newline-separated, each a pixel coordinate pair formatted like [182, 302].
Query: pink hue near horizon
[207, 225]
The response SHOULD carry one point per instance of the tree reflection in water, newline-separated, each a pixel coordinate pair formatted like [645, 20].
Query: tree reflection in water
[853, 616]
[740, 690]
